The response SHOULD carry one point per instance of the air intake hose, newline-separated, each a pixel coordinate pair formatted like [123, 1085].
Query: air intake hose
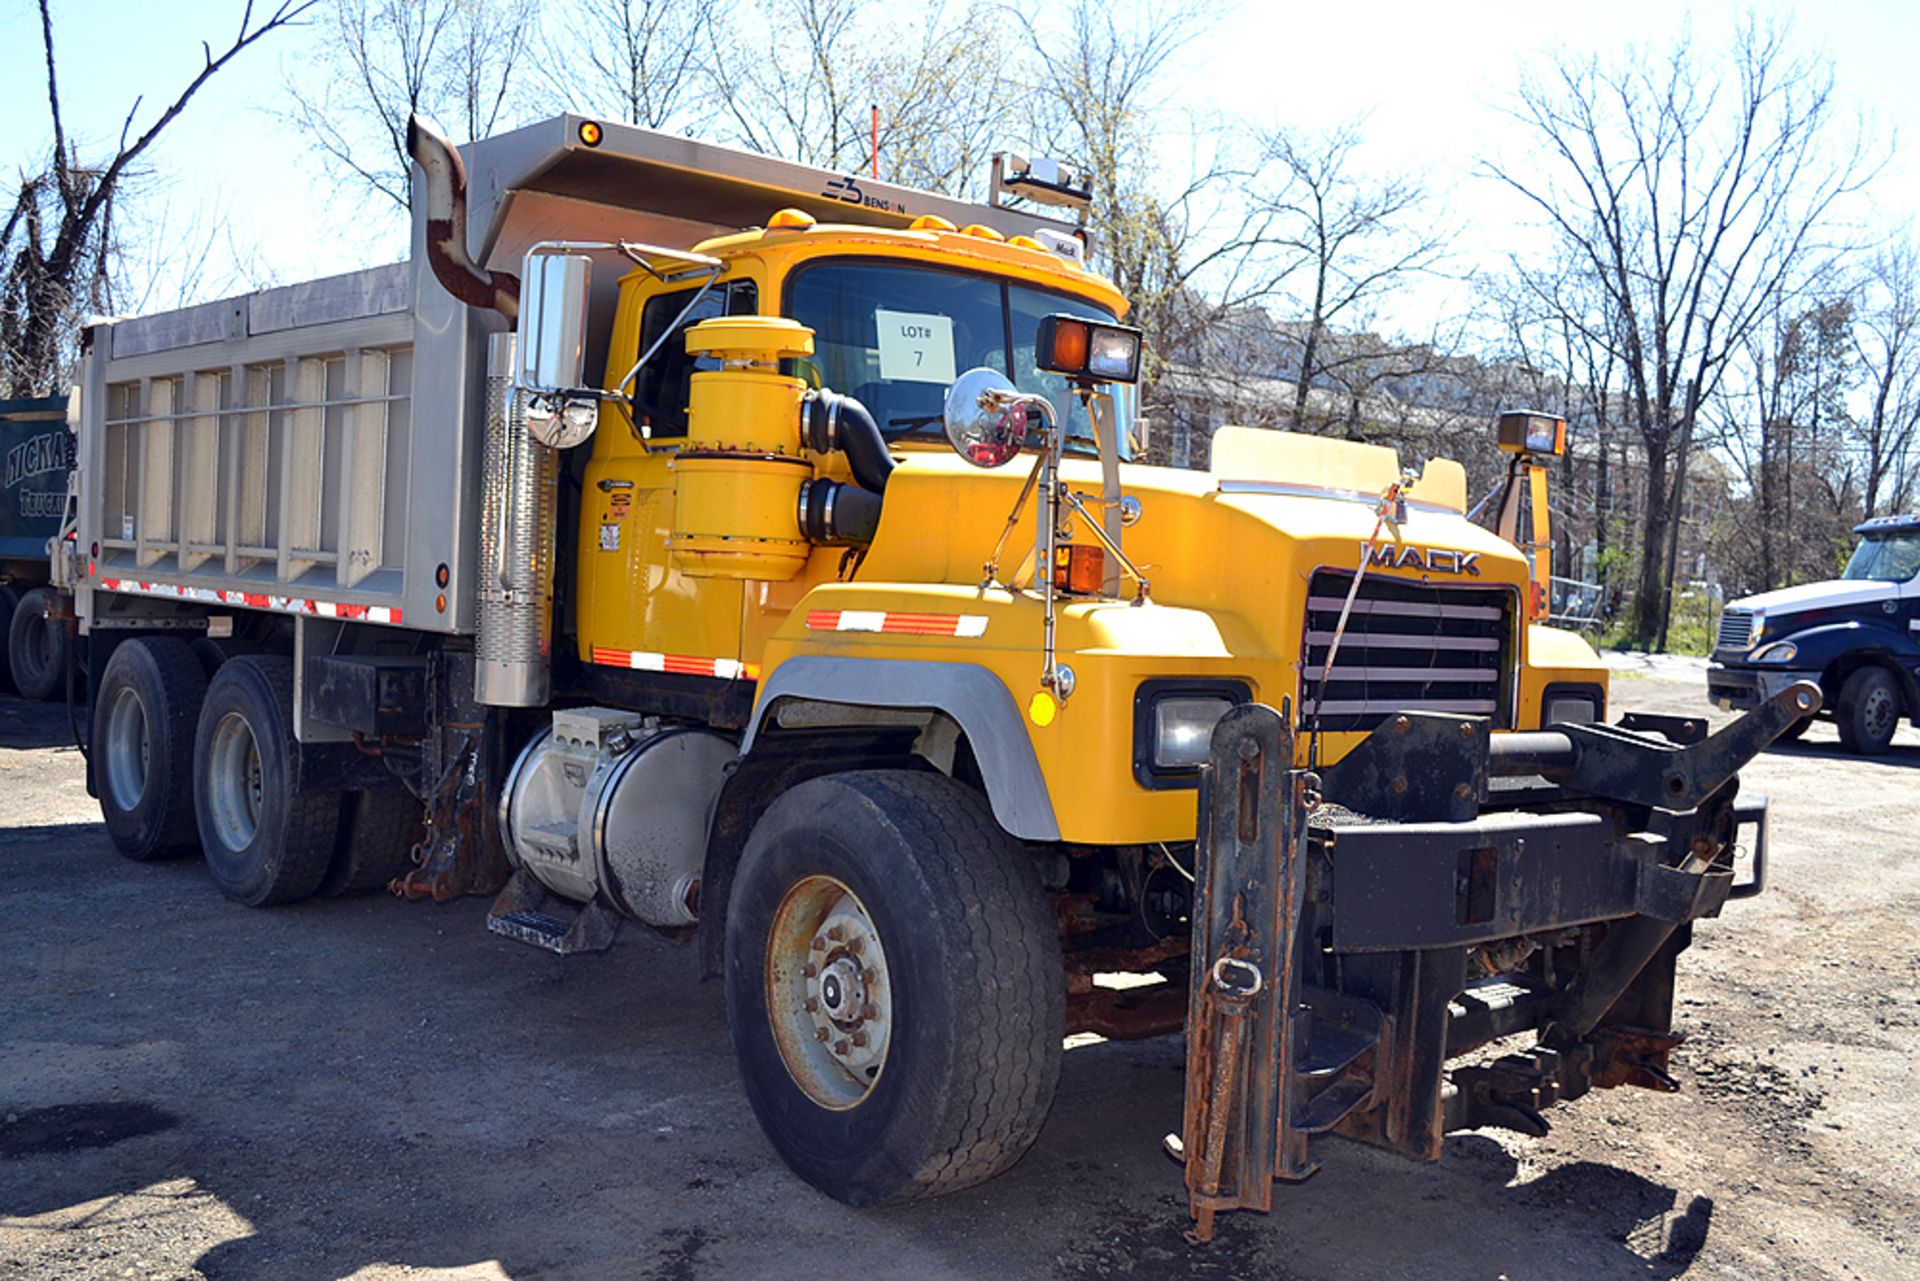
[830, 421]
[831, 512]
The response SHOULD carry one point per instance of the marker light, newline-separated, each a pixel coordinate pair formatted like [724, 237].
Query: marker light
[791, 220]
[590, 133]
[931, 222]
[982, 231]
[1086, 350]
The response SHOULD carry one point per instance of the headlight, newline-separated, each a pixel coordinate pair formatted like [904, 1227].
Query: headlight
[1173, 722]
[1568, 704]
[1183, 730]
[1570, 711]
[1778, 652]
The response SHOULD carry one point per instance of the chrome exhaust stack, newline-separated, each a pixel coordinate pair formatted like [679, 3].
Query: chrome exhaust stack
[518, 501]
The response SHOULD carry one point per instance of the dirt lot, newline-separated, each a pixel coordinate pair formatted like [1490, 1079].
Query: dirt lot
[368, 1088]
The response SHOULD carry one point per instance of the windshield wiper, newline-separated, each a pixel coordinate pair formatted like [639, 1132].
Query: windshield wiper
[910, 422]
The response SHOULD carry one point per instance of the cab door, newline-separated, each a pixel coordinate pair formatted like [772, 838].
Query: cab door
[634, 611]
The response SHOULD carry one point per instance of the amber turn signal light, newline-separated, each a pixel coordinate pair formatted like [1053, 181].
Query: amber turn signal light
[1087, 350]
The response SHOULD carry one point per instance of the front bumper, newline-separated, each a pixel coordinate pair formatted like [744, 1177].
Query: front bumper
[1739, 689]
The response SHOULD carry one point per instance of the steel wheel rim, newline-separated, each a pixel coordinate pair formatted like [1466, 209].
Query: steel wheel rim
[829, 995]
[129, 748]
[1879, 714]
[39, 653]
[233, 782]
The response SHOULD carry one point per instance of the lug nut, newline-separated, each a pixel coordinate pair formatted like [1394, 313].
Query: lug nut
[840, 1046]
[855, 944]
[869, 977]
[836, 933]
[819, 944]
[813, 1005]
[869, 1011]
[860, 1039]
[809, 970]
[820, 1034]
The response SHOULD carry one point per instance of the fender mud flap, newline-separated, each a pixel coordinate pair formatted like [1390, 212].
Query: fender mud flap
[1259, 1080]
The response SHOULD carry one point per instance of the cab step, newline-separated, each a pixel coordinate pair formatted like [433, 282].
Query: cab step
[528, 913]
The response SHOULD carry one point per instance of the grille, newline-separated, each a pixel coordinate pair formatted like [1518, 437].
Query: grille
[1736, 629]
[1409, 647]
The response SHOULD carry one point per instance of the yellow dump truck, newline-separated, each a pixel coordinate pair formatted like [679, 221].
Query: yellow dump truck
[830, 626]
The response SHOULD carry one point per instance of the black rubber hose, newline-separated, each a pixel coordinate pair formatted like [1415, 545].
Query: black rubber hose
[832, 421]
[834, 513]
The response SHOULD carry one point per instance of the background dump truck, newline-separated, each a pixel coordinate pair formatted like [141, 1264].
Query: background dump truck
[830, 627]
[36, 450]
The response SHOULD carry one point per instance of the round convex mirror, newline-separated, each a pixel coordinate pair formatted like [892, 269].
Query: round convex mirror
[981, 426]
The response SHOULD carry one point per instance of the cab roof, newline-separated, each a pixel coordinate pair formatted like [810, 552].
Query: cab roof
[1887, 524]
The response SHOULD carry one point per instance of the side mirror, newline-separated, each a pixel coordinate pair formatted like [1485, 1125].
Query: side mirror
[553, 321]
[984, 424]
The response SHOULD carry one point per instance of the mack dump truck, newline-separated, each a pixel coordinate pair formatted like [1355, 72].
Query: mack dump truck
[830, 628]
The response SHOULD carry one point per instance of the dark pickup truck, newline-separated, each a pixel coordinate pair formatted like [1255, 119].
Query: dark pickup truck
[1857, 635]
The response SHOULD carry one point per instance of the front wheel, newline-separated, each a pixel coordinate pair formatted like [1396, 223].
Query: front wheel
[1868, 711]
[894, 986]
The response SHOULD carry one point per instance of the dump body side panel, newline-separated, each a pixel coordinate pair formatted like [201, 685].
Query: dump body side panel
[301, 450]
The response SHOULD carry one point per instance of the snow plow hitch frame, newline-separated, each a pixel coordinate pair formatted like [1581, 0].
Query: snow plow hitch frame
[1437, 889]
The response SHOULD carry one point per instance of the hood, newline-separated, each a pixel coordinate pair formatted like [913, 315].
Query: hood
[1834, 592]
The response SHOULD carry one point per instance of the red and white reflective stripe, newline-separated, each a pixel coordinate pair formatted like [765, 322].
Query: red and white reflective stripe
[726, 669]
[257, 600]
[896, 622]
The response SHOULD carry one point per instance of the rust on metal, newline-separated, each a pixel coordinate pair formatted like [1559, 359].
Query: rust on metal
[447, 254]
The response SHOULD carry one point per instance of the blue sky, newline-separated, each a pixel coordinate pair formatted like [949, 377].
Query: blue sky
[1429, 76]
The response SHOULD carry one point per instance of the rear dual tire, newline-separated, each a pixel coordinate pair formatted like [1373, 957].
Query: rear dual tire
[266, 842]
[37, 651]
[144, 717]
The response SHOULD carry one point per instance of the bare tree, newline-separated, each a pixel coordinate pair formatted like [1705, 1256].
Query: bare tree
[1354, 239]
[644, 62]
[457, 62]
[59, 237]
[806, 79]
[1886, 337]
[1693, 196]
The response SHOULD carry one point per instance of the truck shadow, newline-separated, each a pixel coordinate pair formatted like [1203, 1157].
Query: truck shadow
[344, 1095]
[27, 726]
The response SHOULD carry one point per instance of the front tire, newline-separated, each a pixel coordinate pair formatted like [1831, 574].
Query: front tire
[142, 744]
[1868, 711]
[894, 986]
[265, 841]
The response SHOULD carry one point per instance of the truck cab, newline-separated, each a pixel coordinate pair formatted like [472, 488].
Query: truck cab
[1857, 635]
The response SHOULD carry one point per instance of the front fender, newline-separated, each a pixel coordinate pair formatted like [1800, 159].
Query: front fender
[973, 696]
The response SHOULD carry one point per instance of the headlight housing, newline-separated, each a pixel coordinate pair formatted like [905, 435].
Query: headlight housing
[1572, 705]
[1173, 723]
[1778, 652]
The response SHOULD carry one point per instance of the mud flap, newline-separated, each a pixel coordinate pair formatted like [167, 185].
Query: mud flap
[1238, 1133]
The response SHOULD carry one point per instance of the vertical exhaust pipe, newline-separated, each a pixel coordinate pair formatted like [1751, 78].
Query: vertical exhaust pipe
[446, 213]
[518, 500]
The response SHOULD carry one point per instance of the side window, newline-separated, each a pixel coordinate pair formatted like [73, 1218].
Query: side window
[660, 392]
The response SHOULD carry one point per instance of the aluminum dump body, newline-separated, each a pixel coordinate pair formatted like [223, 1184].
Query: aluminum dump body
[315, 449]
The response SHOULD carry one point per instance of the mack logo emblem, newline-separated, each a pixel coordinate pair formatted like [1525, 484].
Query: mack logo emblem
[1434, 560]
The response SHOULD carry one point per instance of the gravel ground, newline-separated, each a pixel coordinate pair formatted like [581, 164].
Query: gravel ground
[368, 1088]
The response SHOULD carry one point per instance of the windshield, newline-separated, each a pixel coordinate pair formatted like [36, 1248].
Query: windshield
[1893, 557]
[895, 336]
